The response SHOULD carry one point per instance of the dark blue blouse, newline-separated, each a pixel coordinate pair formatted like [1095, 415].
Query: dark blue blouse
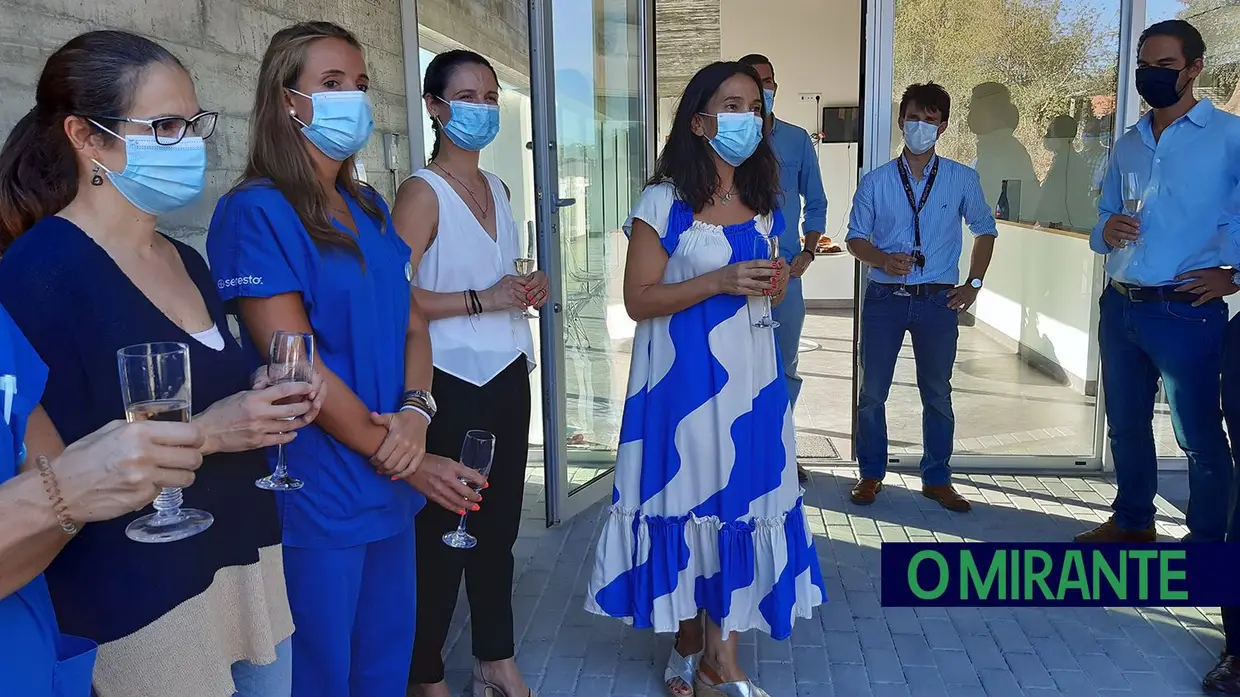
[78, 308]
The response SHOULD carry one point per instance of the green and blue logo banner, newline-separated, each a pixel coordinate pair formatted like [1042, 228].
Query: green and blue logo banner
[1068, 574]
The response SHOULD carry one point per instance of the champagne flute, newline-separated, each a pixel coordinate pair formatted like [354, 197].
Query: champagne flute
[155, 386]
[525, 266]
[290, 358]
[1134, 199]
[766, 247]
[477, 452]
[902, 291]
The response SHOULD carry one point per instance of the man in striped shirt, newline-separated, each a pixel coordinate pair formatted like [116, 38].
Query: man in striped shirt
[906, 225]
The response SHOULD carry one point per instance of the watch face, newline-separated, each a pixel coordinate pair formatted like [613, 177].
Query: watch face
[976, 283]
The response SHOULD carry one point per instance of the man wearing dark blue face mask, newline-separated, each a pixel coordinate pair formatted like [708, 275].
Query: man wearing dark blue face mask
[1162, 314]
[800, 178]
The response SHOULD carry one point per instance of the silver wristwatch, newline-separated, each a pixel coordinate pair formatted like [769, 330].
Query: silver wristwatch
[1235, 278]
[420, 400]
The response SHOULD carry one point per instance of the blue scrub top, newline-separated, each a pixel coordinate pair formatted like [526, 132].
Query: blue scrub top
[258, 248]
[35, 659]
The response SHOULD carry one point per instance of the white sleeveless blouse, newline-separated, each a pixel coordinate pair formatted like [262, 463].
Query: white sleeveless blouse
[463, 257]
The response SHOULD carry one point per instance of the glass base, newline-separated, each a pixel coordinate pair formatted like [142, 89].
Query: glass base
[279, 483]
[164, 527]
[901, 293]
[765, 323]
[460, 539]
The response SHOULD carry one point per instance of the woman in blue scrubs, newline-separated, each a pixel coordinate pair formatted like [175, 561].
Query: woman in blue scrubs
[46, 492]
[300, 244]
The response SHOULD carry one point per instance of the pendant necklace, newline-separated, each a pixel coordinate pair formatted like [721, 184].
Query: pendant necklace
[484, 210]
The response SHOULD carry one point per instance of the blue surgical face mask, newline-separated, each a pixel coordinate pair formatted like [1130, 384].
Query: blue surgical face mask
[471, 126]
[920, 136]
[342, 123]
[768, 98]
[158, 178]
[738, 137]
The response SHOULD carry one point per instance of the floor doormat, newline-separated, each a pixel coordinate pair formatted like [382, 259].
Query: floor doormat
[815, 446]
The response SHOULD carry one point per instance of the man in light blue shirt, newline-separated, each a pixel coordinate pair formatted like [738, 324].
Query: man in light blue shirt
[800, 178]
[1162, 313]
[905, 224]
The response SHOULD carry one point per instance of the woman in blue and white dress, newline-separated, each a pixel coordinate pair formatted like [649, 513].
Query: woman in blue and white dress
[706, 535]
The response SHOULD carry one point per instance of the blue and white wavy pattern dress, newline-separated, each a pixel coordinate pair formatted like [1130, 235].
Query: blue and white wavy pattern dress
[707, 511]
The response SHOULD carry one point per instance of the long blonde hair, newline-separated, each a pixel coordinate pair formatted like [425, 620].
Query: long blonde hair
[277, 149]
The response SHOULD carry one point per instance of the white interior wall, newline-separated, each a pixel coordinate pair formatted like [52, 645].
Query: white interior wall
[815, 46]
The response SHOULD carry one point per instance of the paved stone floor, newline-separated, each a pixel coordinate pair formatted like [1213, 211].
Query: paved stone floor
[853, 647]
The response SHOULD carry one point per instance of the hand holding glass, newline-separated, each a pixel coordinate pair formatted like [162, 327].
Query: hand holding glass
[525, 266]
[1134, 198]
[290, 358]
[155, 386]
[907, 250]
[477, 452]
[766, 247]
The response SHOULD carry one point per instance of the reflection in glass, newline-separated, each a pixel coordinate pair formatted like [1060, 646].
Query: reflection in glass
[1033, 88]
[601, 168]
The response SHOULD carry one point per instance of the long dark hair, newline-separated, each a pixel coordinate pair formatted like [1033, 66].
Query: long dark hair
[95, 75]
[277, 149]
[687, 162]
[440, 71]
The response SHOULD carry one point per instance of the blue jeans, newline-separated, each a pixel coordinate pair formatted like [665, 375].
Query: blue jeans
[791, 317]
[272, 680]
[934, 328]
[1141, 342]
[1231, 412]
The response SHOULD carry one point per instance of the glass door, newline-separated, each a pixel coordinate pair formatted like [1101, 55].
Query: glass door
[1033, 113]
[588, 60]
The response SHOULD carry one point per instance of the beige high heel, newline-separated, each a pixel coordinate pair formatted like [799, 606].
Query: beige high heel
[486, 688]
[707, 683]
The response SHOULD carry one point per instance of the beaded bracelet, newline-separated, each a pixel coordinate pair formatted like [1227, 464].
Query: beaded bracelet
[67, 525]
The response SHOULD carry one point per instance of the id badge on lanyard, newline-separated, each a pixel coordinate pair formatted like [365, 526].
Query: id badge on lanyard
[8, 385]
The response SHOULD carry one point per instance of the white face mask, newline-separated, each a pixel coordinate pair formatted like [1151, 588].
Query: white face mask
[920, 136]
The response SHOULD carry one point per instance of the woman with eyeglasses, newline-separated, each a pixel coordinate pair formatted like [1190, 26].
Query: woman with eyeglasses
[115, 139]
[315, 251]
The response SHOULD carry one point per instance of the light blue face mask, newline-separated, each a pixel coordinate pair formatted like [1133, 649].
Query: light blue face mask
[920, 136]
[738, 137]
[158, 178]
[472, 126]
[342, 123]
[768, 98]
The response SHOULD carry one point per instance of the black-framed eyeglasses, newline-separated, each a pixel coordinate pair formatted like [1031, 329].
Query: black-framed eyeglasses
[170, 130]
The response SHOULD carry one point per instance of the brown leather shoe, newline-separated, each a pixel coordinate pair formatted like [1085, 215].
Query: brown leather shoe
[1225, 678]
[866, 491]
[1110, 532]
[802, 475]
[948, 497]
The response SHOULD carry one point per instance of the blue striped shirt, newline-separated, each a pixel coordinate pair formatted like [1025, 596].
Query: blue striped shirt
[882, 215]
[1187, 177]
[799, 177]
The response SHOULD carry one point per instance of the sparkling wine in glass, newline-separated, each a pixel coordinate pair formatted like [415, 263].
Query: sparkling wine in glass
[155, 386]
[525, 266]
[1134, 198]
[476, 453]
[766, 247]
[290, 358]
[902, 291]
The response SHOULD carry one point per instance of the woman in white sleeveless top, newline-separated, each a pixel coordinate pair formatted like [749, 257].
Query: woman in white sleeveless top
[458, 222]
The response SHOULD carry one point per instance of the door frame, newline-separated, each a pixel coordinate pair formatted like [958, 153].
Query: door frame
[563, 502]
[878, 44]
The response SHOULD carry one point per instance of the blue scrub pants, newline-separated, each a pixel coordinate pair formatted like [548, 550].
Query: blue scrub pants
[1141, 342]
[354, 613]
[791, 317]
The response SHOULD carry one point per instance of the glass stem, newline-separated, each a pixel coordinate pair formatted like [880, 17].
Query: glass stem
[280, 472]
[168, 503]
[460, 527]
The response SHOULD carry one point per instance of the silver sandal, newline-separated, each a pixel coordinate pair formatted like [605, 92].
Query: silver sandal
[682, 668]
[717, 688]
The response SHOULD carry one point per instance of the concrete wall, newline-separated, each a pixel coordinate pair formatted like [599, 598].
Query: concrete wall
[221, 42]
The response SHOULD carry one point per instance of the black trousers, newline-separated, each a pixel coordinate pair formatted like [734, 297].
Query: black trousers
[502, 406]
[1231, 412]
